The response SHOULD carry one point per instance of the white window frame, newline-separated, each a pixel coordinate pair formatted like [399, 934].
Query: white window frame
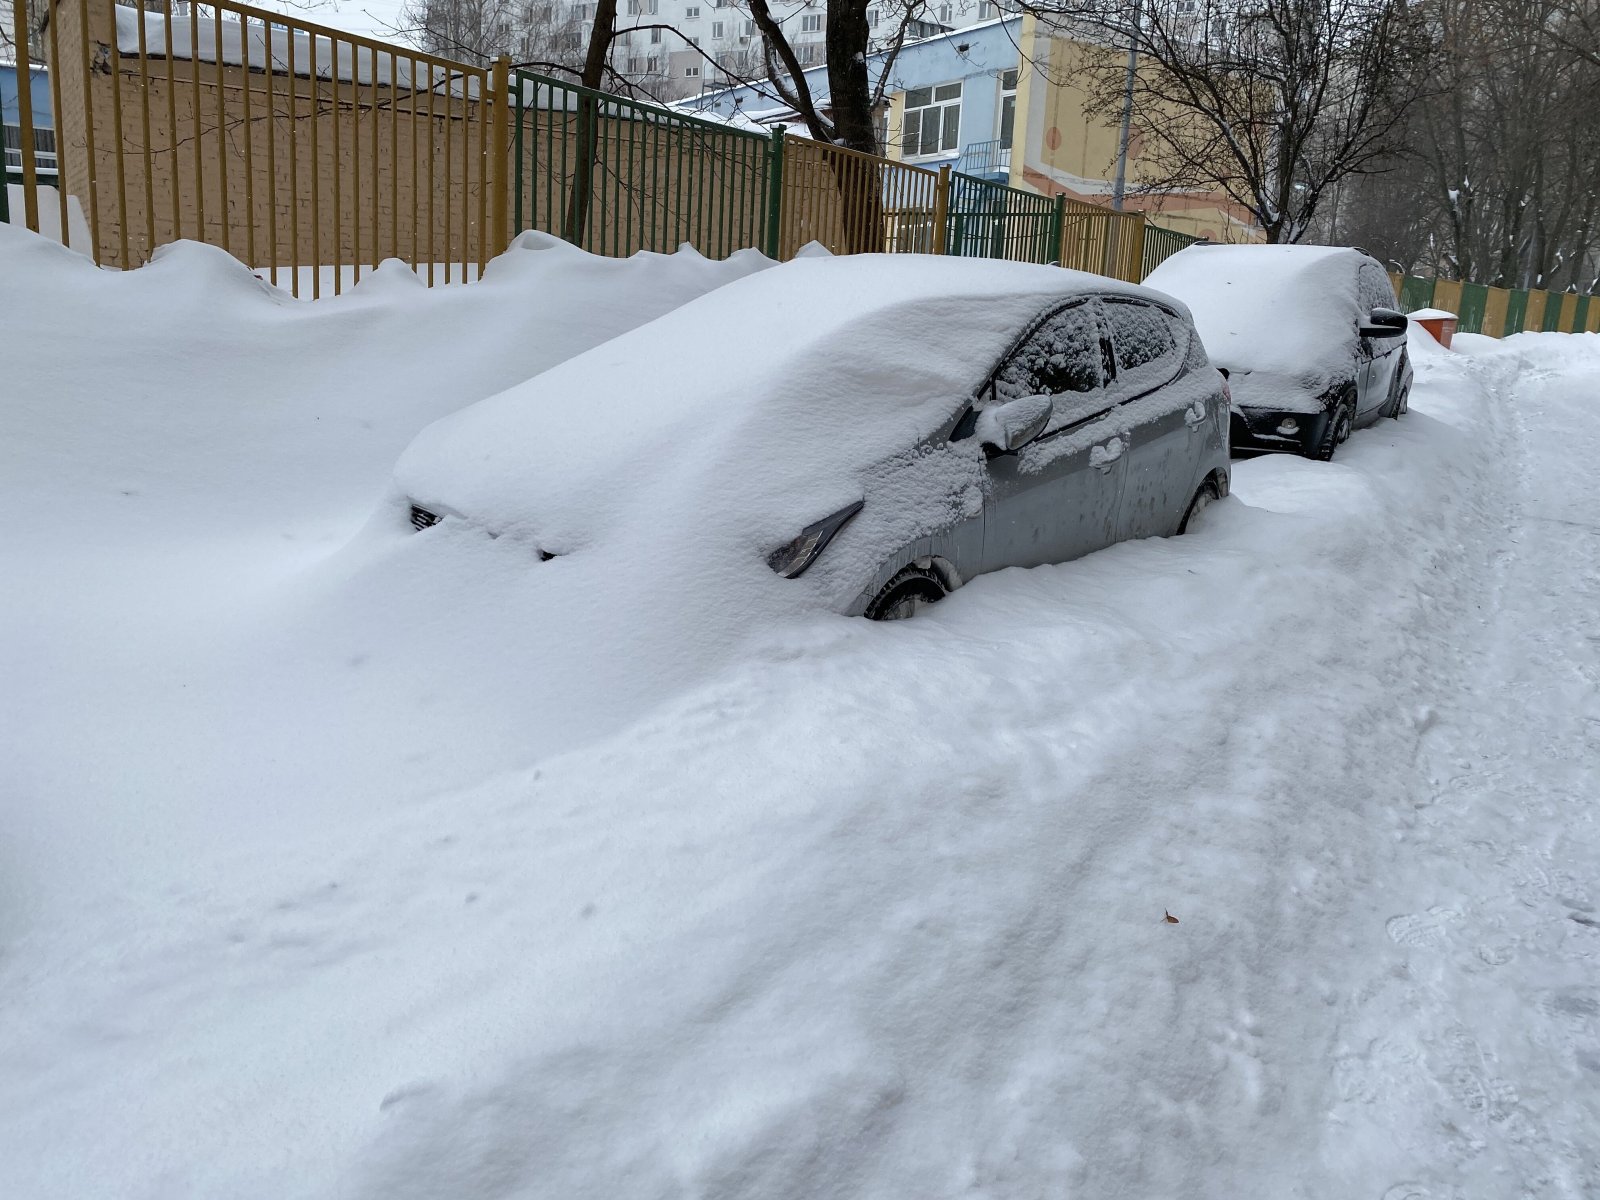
[913, 122]
[1010, 93]
[811, 23]
[718, 30]
[692, 13]
[691, 72]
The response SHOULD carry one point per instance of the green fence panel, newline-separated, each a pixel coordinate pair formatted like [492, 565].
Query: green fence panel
[1580, 318]
[992, 220]
[616, 176]
[1415, 293]
[1161, 244]
[1474, 300]
[1552, 311]
[1516, 310]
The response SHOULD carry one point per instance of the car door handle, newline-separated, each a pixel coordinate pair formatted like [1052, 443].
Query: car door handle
[1195, 415]
[1105, 457]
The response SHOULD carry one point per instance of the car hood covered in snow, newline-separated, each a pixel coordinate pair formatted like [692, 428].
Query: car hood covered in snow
[1282, 319]
[707, 436]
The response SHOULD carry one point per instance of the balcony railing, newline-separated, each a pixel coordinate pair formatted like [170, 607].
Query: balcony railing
[987, 160]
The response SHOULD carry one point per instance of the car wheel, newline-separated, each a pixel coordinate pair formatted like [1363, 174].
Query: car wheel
[911, 590]
[1337, 430]
[1204, 498]
[1400, 401]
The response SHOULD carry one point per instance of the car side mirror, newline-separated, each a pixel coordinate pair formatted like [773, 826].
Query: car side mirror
[1009, 427]
[1384, 323]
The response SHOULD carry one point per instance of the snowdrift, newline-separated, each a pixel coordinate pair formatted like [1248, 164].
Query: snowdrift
[296, 907]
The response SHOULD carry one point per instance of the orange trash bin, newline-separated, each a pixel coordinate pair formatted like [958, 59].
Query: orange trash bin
[1441, 324]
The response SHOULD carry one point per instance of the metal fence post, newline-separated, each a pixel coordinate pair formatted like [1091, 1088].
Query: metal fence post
[30, 175]
[941, 208]
[1058, 228]
[499, 156]
[774, 239]
[1133, 257]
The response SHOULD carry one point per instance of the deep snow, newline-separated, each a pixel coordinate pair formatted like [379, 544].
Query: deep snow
[292, 908]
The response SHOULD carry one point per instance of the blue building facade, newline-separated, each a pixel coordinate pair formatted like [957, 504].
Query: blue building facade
[44, 136]
[950, 99]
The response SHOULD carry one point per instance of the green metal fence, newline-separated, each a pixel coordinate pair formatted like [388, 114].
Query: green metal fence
[1474, 302]
[992, 220]
[1160, 245]
[1552, 312]
[1516, 310]
[1416, 293]
[616, 176]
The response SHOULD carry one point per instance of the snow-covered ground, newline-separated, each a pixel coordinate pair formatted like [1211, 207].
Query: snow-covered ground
[300, 897]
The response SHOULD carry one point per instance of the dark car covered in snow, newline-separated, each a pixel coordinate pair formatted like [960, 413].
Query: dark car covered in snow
[1309, 336]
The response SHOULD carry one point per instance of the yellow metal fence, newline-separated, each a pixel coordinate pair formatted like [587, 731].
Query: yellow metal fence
[312, 155]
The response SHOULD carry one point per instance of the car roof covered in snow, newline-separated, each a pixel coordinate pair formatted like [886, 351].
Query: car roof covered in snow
[1289, 310]
[855, 359]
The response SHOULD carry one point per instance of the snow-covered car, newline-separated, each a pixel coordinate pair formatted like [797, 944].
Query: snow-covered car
[875, 429]
[1309, 336]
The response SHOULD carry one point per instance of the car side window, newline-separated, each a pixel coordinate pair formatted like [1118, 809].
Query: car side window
[1060, 358]
[1141, 337]
[1374, 289]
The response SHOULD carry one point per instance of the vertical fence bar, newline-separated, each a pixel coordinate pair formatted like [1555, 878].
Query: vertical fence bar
[449, 120]
[272, 149]
[92, 174]
[249, 149]
[338, 165]
[416, 172]
[941, 209]
[144, 121]
[498, 158]
[61, 149]
[394, 153]
[194, 142]
[30, 165]
[222, 131]
[172, 121]
[312, 76]
[355, 156]
[774, 218]
[1058, 226]
[377, 133]
[433, 194]
[294, 169]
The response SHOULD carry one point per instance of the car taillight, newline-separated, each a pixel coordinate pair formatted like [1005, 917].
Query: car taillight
[1227, 392]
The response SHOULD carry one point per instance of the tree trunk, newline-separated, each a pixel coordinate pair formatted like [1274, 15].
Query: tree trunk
[581, 195]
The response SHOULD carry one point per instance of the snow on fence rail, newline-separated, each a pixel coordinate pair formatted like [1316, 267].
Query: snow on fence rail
[313, 154]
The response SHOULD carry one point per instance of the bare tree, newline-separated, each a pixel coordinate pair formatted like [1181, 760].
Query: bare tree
[1502, 183]
[1270, 102]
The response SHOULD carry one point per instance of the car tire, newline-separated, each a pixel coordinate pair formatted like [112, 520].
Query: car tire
[911, 590]
[1400, 402]
[1203, 498]
[1337, 430]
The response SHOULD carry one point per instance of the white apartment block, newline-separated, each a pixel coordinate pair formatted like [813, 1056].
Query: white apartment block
[677, 48]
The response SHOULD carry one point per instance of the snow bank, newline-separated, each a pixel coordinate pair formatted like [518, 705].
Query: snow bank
[181, 438]
[855, 910]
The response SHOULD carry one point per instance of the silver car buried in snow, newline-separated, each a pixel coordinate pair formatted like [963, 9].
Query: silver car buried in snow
[867, 432]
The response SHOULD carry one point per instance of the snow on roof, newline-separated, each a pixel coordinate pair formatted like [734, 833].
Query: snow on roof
[1432, 314]
[225, 42]
[1288, 310]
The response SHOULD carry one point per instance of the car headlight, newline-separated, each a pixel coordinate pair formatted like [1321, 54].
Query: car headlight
[792, 560]
[1288, 427]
